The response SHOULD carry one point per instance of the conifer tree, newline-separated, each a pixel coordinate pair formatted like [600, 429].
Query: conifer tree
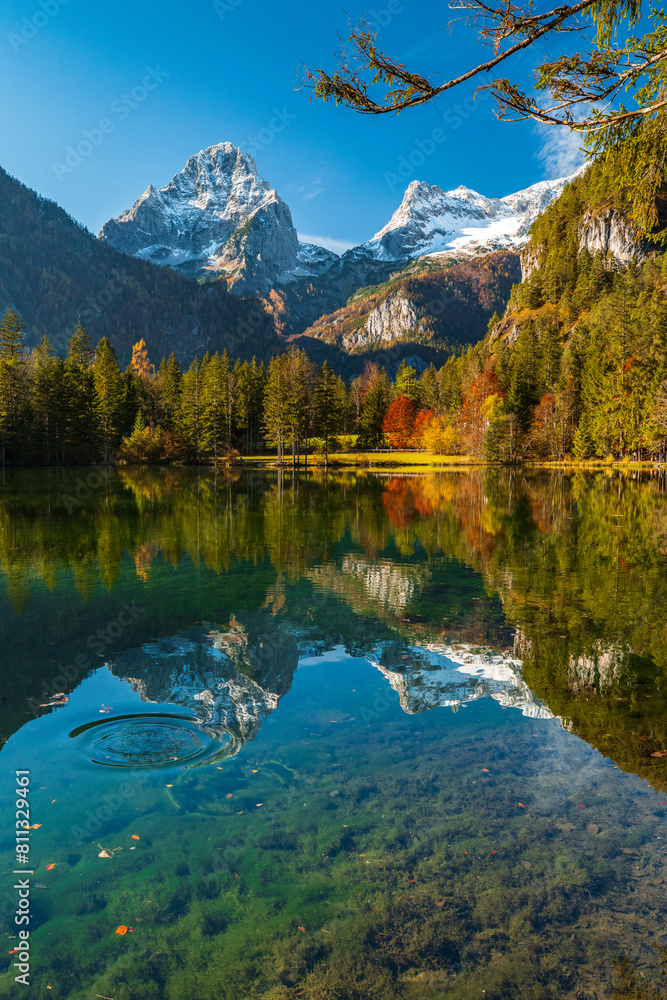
[406, 382]
[190, 419]
[251, 380]
[78, 402]
[429, 396]
[327, 406]
[13, 383]
[170, 379]
[132, 400]
[300, 373]
[376, 403]
[343, 404]
[47, 401]
[214, 389]
[276, 404]
[109, 398]
[227, 377]
[524, 385]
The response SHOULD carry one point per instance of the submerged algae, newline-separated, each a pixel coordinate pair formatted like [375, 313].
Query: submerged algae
[421, 878]
[363, 853]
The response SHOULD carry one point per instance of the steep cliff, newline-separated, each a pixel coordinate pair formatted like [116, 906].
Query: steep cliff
[444, 305]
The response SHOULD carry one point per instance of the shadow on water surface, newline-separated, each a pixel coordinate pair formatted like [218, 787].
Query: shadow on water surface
[354, 840]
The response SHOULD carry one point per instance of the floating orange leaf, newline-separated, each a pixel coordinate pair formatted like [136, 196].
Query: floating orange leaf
[302, 929]
[134, 836]
[49, 867]
[123, 929]
[35, 826]
[521, 805]
[486, 769]
[228, 795]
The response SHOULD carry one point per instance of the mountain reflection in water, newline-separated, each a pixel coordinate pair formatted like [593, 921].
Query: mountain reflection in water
[344, 833]
[569, 570]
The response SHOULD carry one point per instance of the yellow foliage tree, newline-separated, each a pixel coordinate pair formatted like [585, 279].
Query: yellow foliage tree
[439, 437]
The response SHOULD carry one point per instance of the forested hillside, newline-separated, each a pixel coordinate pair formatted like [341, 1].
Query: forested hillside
[578, 364]
[443, 305]
[55, 273]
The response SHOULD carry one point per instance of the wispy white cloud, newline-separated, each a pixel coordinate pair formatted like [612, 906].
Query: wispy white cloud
[328, 242]
[561, 151]
[311, 189]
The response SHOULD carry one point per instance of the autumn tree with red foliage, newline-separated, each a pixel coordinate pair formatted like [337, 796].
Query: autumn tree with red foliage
[399, 423]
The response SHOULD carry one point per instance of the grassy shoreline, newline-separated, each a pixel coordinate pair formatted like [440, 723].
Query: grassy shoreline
[420, 462]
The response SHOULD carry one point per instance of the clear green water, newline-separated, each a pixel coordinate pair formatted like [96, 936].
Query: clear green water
[377, 737]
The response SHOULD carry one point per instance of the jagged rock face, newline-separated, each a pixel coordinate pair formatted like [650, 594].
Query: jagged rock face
[217, 215]
[389, 321]
[461, 222]
[508, 329]
[609, 232]
[529, 262]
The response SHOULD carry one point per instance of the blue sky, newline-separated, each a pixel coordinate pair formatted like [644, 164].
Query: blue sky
[152, 83]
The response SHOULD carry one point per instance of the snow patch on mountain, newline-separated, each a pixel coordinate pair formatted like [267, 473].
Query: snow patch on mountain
[217, 217]
[461, 222]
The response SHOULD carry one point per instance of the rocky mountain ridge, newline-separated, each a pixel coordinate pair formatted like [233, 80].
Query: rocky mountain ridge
[445, 304]
[219, 218]
[461, 223]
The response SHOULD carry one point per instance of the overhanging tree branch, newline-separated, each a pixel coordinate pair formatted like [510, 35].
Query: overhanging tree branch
[584, 89]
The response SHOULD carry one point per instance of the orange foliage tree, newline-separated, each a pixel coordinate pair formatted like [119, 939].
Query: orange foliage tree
[423, 421]
[140, 360]
[399, 423]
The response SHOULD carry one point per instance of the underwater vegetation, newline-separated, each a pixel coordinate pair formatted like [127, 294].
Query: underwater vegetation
[349, 851]
[413, 856]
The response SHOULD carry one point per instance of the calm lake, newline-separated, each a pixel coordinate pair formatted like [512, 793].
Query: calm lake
[348, 738]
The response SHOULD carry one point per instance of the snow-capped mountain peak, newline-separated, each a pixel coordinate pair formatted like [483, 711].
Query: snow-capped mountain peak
[218, 218]
[460, 222]
[216, 215]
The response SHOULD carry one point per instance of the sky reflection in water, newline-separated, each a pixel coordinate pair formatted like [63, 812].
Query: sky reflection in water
[379, 791]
